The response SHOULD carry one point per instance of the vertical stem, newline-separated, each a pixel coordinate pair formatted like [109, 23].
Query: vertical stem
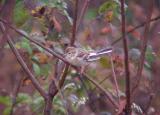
[115, 80]
[74, 28]
[126, 61]
[144, 46]
[53, 88]
[16, 88]
[85, 5]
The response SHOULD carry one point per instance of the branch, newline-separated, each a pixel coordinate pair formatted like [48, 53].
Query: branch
[126, 61]
[85, 5]
[54, 88]
[74, 28]
[35, 42]
[115, 80]
[53, 91]
[7, 14]
[101, 82]
[136, 27]
[144, 46]
[54, 54]
[102, 89]
[23, 65]
[16, 88]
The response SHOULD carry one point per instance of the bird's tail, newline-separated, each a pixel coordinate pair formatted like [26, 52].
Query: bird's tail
[104, 51]
[96, 55]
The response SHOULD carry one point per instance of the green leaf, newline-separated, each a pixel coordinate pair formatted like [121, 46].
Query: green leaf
[45, 69]
[91, 14]
[105, 62]
[26, 45]
[150, 57]
[7, 111]
[36, 69]
[20, 13]
[109, 5]
[23, 98]
[35, 59]
[6, 100]
[37, 104]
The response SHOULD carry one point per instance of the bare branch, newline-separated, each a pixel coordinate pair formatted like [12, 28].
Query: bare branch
[115, 79]
[16, 88]
[85, 5]
[126, 60]
[144, 46]
[102, 89]
[136, 27]
[74, 28]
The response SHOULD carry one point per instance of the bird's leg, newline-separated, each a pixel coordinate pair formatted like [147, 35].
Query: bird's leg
[81, 70]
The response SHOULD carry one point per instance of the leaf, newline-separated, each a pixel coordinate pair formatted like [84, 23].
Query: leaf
[109, 16]
[42, 58]
[23, 98]
[105, 62]
[106, 30]
[37, 104]
[20, 14]
[36, 69]
[35, 59]
[91, 14]
[26, 82]
[150, 57]
[5, 100]
[7, 111]
[45, 69]
[107, 6]
[26, 45]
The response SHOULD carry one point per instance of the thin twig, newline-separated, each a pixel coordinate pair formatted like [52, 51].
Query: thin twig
[102, 89]
[126, 60]
[23, 65]
[102, 81]
[85, 5]
[148, 105]
[115, 79]
[59, 88]
[51, 90]
[135, 28]
[16, 88]
[144, 46]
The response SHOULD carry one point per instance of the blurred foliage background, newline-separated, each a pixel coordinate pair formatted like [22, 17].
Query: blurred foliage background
[50, 22]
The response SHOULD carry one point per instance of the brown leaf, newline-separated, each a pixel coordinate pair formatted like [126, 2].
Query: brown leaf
[106, 30]
[26, 81]
[43, 58]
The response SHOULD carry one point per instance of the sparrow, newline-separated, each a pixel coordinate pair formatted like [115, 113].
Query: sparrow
[81, 57]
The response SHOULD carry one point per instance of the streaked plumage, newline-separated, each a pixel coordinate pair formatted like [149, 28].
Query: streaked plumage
[81, 57]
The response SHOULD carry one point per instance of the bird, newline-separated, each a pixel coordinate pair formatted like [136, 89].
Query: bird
[81, 57]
